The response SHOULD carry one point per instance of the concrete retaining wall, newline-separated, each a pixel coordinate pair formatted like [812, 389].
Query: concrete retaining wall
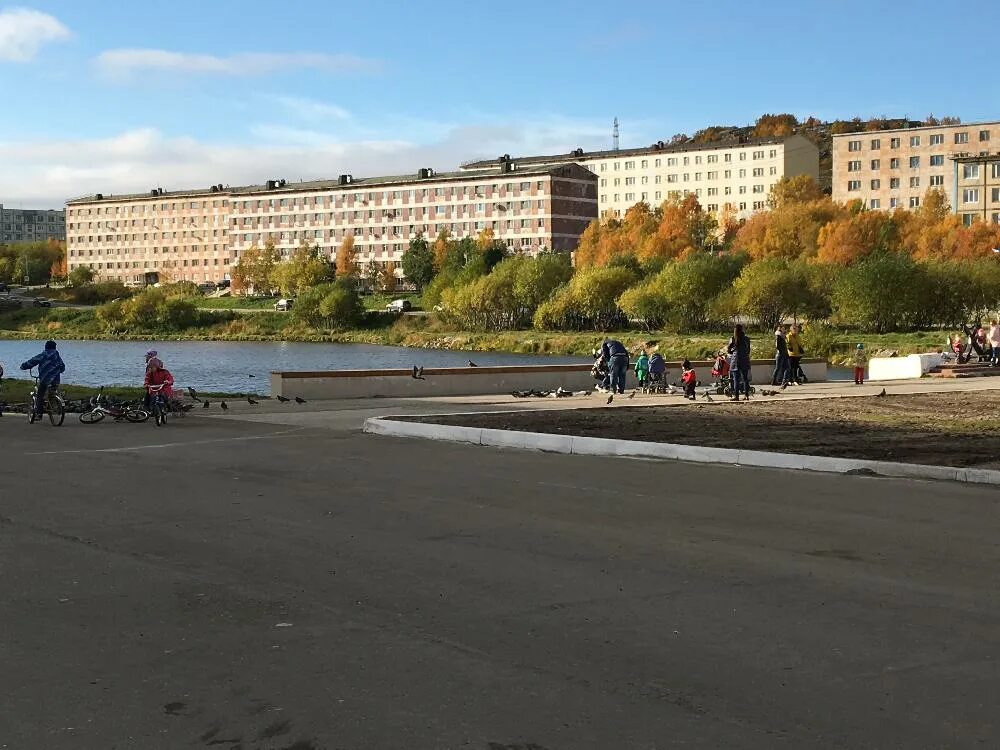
[476, 381]
[902, 368]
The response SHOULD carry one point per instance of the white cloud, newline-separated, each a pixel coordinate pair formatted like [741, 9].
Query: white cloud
[310, 110]
[45, 173]
[23, 31]
[126, 62]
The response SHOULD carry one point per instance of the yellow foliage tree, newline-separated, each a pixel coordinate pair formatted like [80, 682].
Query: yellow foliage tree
[346, 258]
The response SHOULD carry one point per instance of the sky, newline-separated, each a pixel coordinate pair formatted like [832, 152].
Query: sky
[114, 97]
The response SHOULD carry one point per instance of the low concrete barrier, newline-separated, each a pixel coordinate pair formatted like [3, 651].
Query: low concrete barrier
[477, 381]
[902, 368]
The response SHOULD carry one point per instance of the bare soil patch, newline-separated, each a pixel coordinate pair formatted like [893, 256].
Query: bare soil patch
[953, 429]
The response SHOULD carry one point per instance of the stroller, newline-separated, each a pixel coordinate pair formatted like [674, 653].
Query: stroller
[657, 374]
[720, 375]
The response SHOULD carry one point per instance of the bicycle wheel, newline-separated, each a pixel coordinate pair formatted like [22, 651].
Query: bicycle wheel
[136, 415]
[57, 410]
[159, 416]
[31, 408]
[92, 417]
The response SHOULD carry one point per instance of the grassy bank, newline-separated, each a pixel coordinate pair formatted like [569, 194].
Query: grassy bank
[432, 333]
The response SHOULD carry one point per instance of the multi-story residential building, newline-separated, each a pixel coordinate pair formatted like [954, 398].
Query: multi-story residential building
[31, 225]
[197, 235]
[889, 169]
[735, 175]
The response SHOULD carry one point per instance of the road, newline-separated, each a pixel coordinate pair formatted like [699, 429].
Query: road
[291, 583]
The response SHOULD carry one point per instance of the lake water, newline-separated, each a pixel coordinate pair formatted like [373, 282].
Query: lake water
[227, 365]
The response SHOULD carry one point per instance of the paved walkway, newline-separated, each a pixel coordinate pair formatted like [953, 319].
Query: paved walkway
[350, 414]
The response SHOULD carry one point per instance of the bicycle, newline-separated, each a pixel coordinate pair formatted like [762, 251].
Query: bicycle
[101, 409]
[54, 404]
[158, 404]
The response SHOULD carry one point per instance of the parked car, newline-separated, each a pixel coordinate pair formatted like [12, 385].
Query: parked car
[42, 302]
[4, 288]
[206, 288]
[283, 305]
[224, 284]
[399, 305]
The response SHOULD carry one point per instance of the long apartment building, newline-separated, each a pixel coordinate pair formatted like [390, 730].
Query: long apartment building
[31, 225]
[890, 169]
[197, 235]
[735, 174]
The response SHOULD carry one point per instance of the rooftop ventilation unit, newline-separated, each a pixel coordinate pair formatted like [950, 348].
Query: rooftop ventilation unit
[424, 173]
[345, 179]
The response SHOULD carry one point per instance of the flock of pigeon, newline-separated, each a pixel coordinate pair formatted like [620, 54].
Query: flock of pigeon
[250, 400]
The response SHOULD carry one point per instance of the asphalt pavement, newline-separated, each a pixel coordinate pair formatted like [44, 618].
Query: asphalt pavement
[253, 585]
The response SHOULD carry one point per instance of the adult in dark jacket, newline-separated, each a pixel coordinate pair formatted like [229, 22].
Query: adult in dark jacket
[616, 355]
[50, 367]
[781, 363]
[739, 363]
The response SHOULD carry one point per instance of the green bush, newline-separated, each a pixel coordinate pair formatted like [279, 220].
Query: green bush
[335, 306]
[589, 301]
[884, 292]
[154, 309]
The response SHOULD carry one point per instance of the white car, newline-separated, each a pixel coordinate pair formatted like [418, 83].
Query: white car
[283, 305]
[399, 306]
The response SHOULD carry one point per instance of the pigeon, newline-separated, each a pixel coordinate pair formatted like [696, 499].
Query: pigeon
[631, 395]
[611, 397]
[193, 393]
[283, 400]
[251, 376]
[880, 395]
[299, 400]
[472, 364]
[417, 373]
[251, 401]
[223, 406]
[672, 389]
[204, 405]
[707, 397]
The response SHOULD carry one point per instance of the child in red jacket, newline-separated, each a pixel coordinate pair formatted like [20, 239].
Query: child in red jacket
[689, 378]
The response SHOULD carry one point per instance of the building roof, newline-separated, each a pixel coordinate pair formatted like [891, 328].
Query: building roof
[920, 127]
[559, 170]
[657, 148]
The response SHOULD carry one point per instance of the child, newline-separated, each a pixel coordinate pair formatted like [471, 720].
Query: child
[601, 373]
[657, 371]
[157, 374]
[860, 360]
[642, 370]
[688, 378]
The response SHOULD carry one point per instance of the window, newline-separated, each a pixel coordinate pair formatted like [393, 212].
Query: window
[727, 157]
[743, 156]
[728, 190]
[914, 141]
[875, 163]
[672, 161]
[995, 170]
[645, 180]
[697, 160]
[853, 185]
[758, 188]
[657, 179]
[970, 195]
[629, 180]
[743, 173]
[671, 178]
[937, 180]
[687, 176]
[894, 143]
[937, 160]
[876, 184]
[852, 166]
[656, 163]
[893, 202]
[970, 171]
[875, 203]
[712, 158]
[915, 202]
[773, 170]
[743, 189]
[759, 171]
[854, 145]
[968, 219]
[937, 139]
[894, 163]
[962, 137]
[914, 182]
[758, 205]
[604, 182]
[630, 165]
[743, 206]
[697, 176]
[758, 154]
[914, 162]
[645, 163]
[604, 167]
[686, 161]
[876, 144]
[713, 191]
[712, 175]
[630, 196]
[772, 153]
[984, 135]
[618, 181]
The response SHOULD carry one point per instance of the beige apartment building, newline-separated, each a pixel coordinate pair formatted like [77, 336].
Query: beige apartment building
[197, 235]
[890, 169]
[733, 175]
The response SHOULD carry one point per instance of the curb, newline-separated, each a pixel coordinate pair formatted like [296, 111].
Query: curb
[591, 446]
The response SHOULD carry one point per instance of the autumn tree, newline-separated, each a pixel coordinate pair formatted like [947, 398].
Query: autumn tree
[305, 268]
[254, 269]
[775, 126]
[441, 249]
[387, 278]
[801, 188]
[851, 238]
[346, 259]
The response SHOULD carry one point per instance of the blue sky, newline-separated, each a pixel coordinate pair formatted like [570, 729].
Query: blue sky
[121, 97]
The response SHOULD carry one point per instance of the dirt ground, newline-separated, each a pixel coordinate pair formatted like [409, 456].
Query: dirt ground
[954, 429]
